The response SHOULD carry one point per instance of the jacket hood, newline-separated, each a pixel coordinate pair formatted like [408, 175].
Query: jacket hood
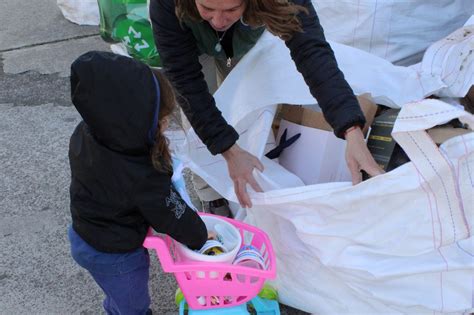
[118, 98]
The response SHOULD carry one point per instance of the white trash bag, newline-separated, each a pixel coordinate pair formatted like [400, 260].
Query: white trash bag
[82, 12]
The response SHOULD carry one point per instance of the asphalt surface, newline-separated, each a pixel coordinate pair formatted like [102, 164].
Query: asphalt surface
[37, 274]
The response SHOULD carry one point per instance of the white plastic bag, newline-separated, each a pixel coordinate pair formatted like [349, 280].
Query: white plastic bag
[82, 12]
[396, 30]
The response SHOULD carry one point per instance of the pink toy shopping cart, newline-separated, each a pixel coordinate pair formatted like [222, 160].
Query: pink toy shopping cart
[216, 285]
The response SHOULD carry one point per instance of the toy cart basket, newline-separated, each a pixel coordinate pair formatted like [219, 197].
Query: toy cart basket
[216, 285]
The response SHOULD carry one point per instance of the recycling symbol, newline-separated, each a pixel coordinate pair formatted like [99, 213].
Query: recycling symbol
[137, 35]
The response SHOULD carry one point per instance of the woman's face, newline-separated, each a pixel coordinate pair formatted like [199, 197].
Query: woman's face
[221, 14]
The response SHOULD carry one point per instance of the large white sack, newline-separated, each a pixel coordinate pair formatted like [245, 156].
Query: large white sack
[352, 249]
[452, 61]
[397, 30]
[399, 243]
[82, 12]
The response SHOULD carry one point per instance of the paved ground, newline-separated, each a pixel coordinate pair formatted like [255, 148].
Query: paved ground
[37, 275]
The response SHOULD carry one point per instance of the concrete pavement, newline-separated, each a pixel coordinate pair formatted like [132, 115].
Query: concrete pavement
[37, 275]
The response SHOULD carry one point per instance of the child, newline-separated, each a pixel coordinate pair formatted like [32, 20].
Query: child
[121, 176]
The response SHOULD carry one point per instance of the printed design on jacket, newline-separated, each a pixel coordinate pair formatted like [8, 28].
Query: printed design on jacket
[179, 206]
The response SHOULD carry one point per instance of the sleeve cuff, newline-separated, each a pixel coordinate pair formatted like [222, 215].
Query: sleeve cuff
[357, 121]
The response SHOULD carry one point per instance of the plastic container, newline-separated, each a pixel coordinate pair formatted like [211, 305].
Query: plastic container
[227, 257]
[249, 256]
[201, 281]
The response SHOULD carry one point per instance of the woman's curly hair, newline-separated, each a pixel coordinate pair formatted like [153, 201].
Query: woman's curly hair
[280, 17]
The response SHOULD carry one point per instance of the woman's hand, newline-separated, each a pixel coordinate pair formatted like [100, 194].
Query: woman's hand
[241, 164]
[358, 156]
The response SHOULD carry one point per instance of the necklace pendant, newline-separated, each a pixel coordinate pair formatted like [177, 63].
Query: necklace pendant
[218, 47]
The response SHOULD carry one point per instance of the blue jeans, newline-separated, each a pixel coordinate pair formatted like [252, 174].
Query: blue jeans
[123, 277]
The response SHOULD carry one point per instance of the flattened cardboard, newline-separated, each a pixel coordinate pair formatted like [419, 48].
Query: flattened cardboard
[302, 115]
[441, 134]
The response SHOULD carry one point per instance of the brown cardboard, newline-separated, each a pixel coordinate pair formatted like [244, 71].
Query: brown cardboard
[304, 116]
[441, 134]
[307, 117]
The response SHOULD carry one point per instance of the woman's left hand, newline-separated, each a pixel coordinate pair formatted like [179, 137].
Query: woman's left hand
[358, 156]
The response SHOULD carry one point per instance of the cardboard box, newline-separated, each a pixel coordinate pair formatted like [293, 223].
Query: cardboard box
[318, 156]
[440, 134]
[309, 117]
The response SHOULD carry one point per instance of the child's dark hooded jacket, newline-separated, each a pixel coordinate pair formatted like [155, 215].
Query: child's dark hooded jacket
[116, 194]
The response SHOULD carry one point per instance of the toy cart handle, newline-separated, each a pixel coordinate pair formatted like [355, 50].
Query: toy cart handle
[158, 243]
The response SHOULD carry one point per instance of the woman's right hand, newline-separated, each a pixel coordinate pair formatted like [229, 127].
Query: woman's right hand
[241, 164]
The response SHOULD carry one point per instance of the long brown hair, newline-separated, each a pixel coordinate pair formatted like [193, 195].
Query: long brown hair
[278, 16]
[160, 153]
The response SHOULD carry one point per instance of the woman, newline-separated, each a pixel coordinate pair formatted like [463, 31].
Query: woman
[226, 30]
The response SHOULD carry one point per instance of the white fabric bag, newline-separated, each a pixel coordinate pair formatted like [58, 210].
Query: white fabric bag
[82, 12]
[399, 243]
[452, 61]
[396, 30]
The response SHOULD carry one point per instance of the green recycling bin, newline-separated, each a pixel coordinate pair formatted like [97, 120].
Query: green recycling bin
[127, 21]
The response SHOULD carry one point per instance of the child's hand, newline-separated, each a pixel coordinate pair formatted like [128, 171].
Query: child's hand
[211, 235]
